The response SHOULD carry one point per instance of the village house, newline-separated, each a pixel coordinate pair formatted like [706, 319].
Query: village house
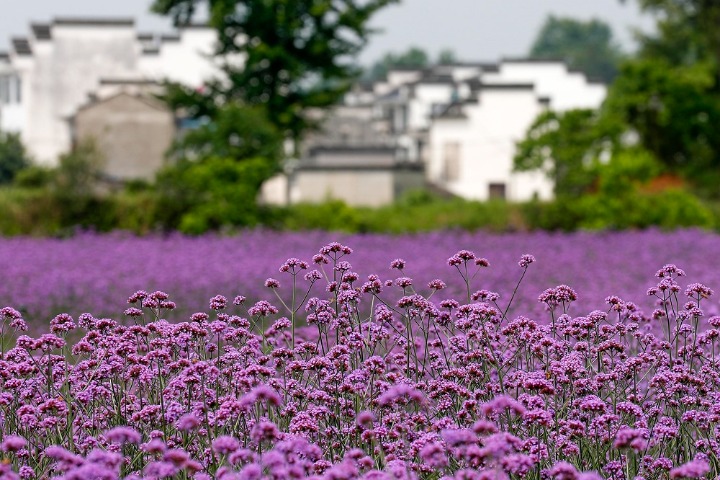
[451, 128]
[64, 66]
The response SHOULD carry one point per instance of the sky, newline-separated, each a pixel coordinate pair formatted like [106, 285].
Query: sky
[477, 30]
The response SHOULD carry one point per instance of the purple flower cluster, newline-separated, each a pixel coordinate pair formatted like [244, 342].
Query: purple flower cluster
[351, 376]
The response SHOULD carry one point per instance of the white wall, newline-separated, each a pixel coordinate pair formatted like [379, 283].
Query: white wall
[420, 105]
[566, 90]
[368, 188]
[12, 117]
[64, 70]
[187, 61]
[487, 140]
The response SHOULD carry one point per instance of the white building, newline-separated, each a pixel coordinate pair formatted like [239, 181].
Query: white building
[472, 140]
[48, 75]
[460, 123]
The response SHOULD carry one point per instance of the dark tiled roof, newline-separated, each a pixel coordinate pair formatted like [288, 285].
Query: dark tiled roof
[151, 51]
[476, 84]
[352, 149]
[507, 86]
[41, 31]
[21, 46]
[125, 22]
[170, 38]
[394, 167]
[454, 110]
[4, 56]
[188, 26]
[532, 60]
[145, 36]
[127, 81]
[403, 68]
[430, 77]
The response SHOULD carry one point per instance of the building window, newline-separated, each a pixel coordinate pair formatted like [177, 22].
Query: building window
[451, 161]
[496, 191]
[18, 89]
[10, 89]
[4, 89]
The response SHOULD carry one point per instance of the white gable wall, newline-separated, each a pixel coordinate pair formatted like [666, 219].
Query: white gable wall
[421, 103]
[12, 114]
[486, 145]
[187, 61]
[65, 70]
[566, 90]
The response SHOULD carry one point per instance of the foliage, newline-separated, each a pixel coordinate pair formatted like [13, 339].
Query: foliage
[34, 176]
[402, 217]
[585, 46]
[667, 96]
[568, 148]
[183, 202]
[447, 56]
[687, 31]
[219, 169]
[296, 54]
[670, 209]
[13, 157]
[198, 196]
[674, 111]
[413, 57]
[79, 170]
[670, 93]
[235, 132]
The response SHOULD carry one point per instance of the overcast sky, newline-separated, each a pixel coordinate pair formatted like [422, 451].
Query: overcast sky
[483, 30]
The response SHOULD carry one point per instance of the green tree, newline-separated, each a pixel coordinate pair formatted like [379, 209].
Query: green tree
[670, 92]
[235, 132]
[667, 96]
[585, 46]
[297, 55]
[675, 111]
[413, 57]
[688, 31]
[218, 170]
[212, 193]
[568, 147]
[447, 56]
[13, 157]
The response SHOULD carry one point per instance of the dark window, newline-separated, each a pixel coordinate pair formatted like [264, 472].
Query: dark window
[4, 89]
[451, 161]
[18, 89]
[496, 191]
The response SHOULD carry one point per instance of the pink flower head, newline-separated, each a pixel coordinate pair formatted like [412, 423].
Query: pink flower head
[13, 443]
[526, 260]
[696, 468]
[123, 435]
[401, 393]
[501, 403]
[218, 302]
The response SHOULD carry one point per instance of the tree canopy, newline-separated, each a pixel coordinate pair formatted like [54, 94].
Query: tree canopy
[13, 157]
[297, 55]
[413, 57]
[666, 96]
[585, 46]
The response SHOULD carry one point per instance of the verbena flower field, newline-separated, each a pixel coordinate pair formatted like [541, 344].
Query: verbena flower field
[445, 355]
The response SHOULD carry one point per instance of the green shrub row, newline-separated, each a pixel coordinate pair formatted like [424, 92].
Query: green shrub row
[47, 211]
